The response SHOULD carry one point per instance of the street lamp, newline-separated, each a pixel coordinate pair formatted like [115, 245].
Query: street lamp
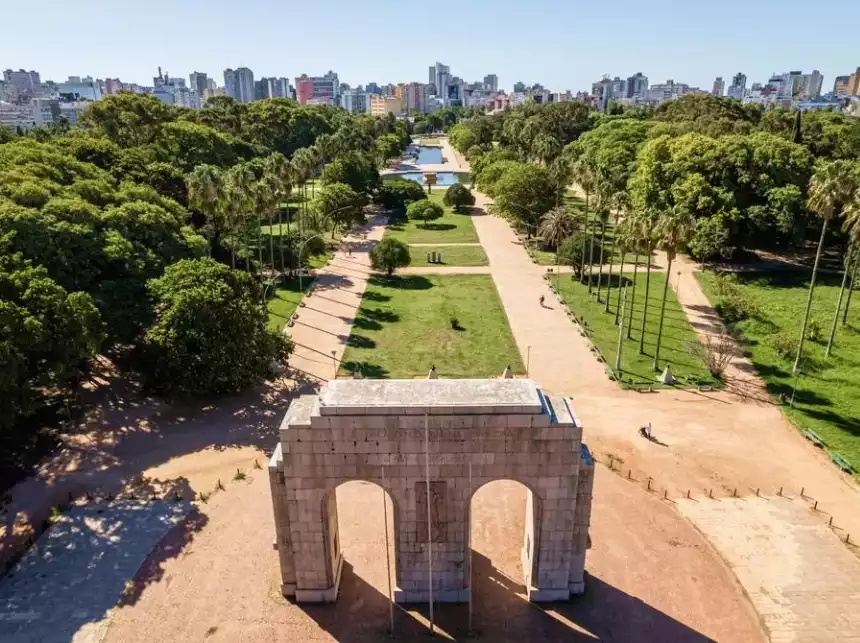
[528, 357]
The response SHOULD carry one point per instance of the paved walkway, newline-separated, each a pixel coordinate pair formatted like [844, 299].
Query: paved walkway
[801, 579]
[325, 319]
[65, 586]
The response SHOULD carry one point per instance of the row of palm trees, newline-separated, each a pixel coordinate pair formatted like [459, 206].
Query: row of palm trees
[633, 232]
[235, 199]
[834, 192]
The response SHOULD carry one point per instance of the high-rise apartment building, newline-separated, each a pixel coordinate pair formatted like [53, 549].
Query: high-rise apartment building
[372, 88]
[26, 83]
[840, 86]
[322, 89]
[637, 86]
[442, 81]
[491, 83]
[199, 83]
[384, 105]
[239, 84]
[854, 83]
[719, 86]
[415, 98]
[738, 86]
[354, 101]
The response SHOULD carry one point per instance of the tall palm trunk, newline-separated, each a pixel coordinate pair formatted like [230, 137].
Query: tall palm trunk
[584, 242]
[271, 243]
[839, 301]
[799, 357]
[259, 240]
[645, 305]
[662, 316]
[609, 276]
[851, 287]
[281, 235]
[591, 259]
[620, 277]
[600, 266]
[633, 294]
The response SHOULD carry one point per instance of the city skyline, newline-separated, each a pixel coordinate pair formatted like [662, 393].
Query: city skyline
[536, 44]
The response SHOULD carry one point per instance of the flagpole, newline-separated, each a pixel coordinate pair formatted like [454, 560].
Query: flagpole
[429, 518]
[469, 541]
[387, 556]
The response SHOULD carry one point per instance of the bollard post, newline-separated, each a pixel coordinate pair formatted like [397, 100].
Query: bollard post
[779, 493]
[688, 494]
[802, 489]
[830, 522]
[847, 537]
[665, 494]
[649, 484]
[757, 490]
[735, 493]
[629, 474]
[710, 493]
[815, 506]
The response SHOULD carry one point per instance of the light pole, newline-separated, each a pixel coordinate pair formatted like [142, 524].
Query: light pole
[528, 357]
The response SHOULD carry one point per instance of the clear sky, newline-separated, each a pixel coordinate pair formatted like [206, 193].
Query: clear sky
[563, 44]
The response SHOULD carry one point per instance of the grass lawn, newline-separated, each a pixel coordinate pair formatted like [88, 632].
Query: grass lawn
[677, 332]
[828, 393]
[403, 328]
[451, 228]
[451, 256]
[283, 301]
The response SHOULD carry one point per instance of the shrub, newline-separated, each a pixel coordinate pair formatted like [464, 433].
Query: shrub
[458, 196]
[814, 332]
[785, 345]
[396, 195]
[424, 211]
[390, 254]
[734, 305]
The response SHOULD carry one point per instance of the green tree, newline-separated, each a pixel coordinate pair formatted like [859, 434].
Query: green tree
[207, 193]
[525, 193]
[556, 226]
[673, 229]
[48, 334]
[424, 211]
[209, 336]
[397, 193]
[356, 170]
[339, 205]
[570, 253]
[390, 254]
[458, 197]
[127, 119]
[830, 190]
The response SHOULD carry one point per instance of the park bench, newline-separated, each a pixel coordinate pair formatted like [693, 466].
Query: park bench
[813, 437]
[841, 462]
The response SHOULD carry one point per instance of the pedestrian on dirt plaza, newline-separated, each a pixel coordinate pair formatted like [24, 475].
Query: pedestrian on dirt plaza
[349, 250]
[541, 300]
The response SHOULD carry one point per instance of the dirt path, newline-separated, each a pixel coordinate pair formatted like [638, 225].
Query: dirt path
[325, 318]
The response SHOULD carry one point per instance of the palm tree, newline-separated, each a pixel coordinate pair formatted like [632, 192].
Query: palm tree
[207, 194]
[278, 173]
[583, 176]
[830, 189]
[545, 148]
[240, 198]
[673, 229]
[603, 218]
[556, 226]
[302, 164]
[851, 287]
[627, 240]
[852, 218]
[647, 227]
[617, 201]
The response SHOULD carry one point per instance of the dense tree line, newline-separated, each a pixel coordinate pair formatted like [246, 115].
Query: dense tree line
[151, 233]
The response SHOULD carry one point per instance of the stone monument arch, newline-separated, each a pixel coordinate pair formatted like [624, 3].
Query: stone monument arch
[464, 434]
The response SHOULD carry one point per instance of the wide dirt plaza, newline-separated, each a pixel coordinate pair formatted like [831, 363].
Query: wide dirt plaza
[727, 526]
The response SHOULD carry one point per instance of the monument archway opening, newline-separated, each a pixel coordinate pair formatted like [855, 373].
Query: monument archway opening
[503, 517]
[359, 519]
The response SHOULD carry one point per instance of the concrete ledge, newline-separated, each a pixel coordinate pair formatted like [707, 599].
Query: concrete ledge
[577, 589]
[328, 595]
[403, 597]
[548, 595]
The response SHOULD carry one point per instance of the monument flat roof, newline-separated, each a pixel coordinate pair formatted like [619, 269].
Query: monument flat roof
[433, 397]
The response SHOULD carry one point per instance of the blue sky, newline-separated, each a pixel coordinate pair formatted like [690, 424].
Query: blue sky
[564, 44]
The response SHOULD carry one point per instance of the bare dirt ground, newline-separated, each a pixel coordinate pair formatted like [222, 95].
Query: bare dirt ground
[202, 593]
